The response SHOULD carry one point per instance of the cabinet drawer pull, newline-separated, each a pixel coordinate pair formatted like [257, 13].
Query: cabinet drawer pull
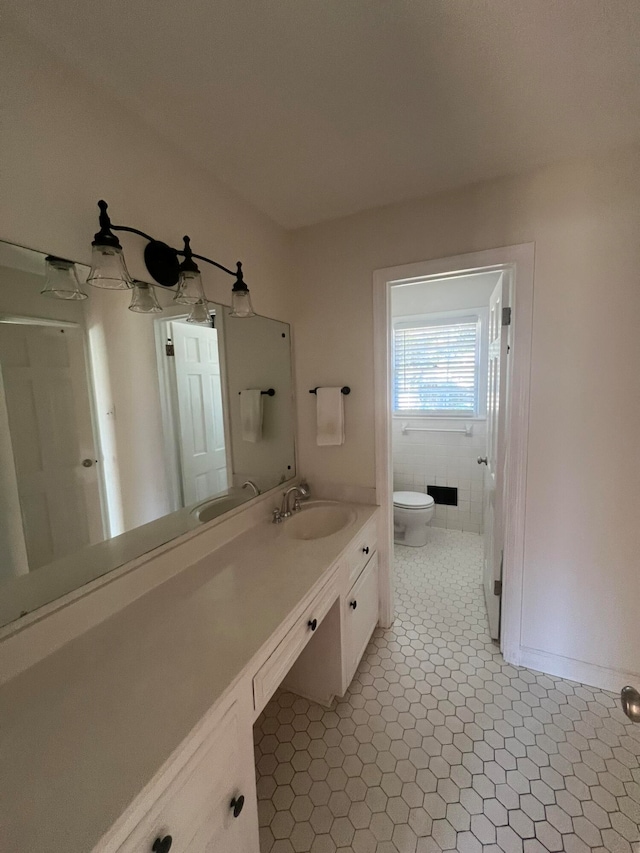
[353, 604]
[162, 845]
[365, 550]
[313, 624]
[237, 804]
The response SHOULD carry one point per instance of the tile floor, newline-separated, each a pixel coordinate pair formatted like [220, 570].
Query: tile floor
[441, 745]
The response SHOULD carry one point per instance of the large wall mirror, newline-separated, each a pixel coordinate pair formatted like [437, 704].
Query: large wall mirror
[120, 431]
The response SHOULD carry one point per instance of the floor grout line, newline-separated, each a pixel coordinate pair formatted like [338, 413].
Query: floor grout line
[440, 745]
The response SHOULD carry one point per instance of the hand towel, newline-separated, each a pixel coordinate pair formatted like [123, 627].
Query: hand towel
[251, 415]
[330, 412]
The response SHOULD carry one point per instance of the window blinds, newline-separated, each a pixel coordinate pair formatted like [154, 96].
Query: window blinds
[436, 368]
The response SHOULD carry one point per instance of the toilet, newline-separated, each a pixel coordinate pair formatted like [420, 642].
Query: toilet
[412, 512]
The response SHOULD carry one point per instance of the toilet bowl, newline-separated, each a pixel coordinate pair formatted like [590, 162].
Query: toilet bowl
[412, 512]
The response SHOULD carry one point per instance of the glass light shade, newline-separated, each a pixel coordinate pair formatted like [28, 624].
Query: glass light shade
[190, 289]
[108, 269]
[241, 304]
[200, 313]
[62, 280]
[144, 299]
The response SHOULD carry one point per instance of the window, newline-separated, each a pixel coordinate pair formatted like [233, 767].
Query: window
[436, 366]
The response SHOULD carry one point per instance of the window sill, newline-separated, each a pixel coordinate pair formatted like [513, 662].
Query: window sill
[422, 417]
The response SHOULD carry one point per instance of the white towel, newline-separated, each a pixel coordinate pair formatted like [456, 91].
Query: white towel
[330, 416]
[251, 415]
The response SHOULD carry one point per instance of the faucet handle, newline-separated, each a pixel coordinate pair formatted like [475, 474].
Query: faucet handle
[304, 490]
[276, 516]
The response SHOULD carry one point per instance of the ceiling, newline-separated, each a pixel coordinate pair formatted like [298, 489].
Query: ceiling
[312, 109]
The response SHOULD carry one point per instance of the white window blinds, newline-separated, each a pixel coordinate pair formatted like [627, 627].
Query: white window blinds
[436, 367]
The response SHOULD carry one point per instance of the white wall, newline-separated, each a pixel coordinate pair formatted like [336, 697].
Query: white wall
[422, 459]
[581, 582]
[445, 294]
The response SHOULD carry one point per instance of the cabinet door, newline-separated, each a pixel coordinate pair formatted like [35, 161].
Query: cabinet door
[196, 808]
[360, 616]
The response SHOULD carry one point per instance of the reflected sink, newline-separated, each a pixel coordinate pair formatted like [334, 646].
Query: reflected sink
[216, 506]
[319, 519]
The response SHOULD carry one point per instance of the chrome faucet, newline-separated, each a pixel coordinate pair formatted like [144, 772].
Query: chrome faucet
[302, 493]
[285, 509]
[252, 485]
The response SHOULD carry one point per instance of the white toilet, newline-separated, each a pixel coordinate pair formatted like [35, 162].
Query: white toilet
[412, 512]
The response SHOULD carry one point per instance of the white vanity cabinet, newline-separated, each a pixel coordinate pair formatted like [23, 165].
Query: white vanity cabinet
[359, 618]
[291, 648]
[360, 603]
[204, 803]
[175, 773]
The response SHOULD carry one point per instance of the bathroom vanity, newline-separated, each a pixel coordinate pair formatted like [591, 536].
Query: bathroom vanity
[135, 735]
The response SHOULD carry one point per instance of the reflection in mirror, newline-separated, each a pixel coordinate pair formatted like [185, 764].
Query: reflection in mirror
[122, 430]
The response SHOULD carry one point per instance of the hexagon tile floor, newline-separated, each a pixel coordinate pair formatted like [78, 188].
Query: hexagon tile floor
[441, 745]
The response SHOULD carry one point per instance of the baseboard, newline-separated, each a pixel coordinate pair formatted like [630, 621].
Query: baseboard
[591, 674]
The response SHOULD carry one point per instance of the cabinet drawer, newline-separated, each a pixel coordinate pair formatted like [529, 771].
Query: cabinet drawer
[196, 805]
[270, 675]
[360, 614]
[363, 547]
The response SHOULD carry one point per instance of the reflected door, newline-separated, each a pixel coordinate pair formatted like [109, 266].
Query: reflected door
[203, 459]
[493, 480]
[45, 380]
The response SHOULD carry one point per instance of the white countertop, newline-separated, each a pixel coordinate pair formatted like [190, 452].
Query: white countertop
[84, 730]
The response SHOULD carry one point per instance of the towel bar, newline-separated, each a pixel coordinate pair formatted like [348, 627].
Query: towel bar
[270, 393]
[345, 390]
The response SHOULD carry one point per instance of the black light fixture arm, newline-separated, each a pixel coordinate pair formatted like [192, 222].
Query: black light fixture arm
[213, 263]
[161, 259]
[132, 231]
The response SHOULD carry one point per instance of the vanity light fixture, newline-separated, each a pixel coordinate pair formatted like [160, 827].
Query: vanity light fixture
[61, 281]
[109, 271]
[144, 299]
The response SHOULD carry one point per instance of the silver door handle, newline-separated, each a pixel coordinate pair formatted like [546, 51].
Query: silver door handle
[630, 699]
[87, 463]
[482, 460]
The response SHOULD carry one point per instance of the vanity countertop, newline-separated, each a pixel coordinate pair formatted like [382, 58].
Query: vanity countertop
[85, 729]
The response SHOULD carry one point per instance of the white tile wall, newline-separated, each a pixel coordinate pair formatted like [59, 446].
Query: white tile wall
[422, 459]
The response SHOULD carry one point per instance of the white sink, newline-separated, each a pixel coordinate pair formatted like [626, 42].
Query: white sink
[318, 519]
[216, 506]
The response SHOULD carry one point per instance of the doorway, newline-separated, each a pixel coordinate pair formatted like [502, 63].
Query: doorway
[196, 449]
[50, 475]
[493, 400]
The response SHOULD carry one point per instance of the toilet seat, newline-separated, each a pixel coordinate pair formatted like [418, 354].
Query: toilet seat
[412, 500]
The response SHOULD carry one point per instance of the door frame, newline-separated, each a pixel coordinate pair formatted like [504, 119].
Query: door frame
[518, 262]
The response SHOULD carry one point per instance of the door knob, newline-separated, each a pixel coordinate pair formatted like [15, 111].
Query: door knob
[630, 699]
[162, 845]
[482, 460]
[353, 604]
[313, 624]
[87, 463]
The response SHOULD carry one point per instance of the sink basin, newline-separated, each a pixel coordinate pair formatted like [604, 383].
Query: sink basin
[216, 506]
[319, 519]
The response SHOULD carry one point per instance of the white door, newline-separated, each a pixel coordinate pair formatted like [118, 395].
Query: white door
[203, 459]
[47, 396]
[495, 456]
